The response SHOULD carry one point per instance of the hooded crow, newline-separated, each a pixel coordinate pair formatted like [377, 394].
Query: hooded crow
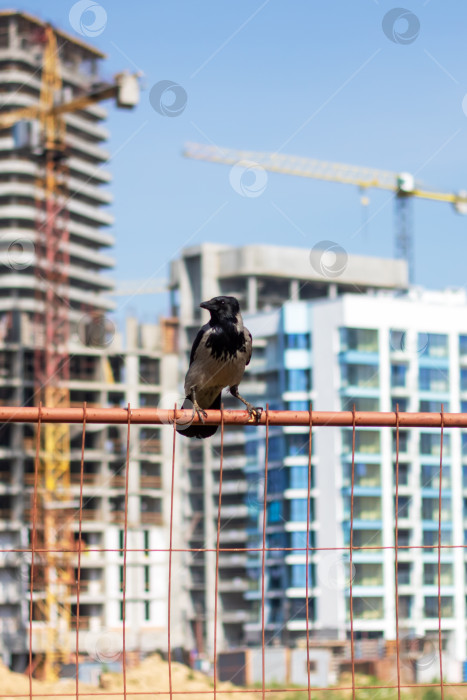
[220, 353]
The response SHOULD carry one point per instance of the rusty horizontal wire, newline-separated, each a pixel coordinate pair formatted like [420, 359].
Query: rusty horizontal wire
[158, 416]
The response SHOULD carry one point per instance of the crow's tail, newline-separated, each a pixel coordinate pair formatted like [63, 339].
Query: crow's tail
[199, 430]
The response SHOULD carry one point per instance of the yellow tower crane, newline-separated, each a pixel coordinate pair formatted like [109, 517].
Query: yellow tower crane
[401, 184]
[55, 574]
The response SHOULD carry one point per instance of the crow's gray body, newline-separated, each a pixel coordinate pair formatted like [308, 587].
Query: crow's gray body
[208, 373]
[220, 353]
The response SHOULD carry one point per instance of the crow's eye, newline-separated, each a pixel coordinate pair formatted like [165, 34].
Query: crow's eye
[222, 301]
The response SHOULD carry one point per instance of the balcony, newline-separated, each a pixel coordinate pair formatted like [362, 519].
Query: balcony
[152, 518]
[150, 482]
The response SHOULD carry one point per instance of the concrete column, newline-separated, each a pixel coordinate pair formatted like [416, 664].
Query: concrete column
[252, 295]
[294, 290]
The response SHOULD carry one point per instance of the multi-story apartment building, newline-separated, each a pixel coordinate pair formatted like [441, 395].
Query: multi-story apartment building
[375, 352]
[104, 370]
[263, 278]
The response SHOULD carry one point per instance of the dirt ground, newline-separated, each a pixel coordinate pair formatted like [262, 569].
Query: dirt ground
[150, 679]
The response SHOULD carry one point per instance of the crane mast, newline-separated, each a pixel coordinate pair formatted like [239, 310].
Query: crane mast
[53, 569]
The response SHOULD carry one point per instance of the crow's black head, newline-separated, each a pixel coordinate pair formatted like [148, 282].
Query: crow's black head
[222, 309]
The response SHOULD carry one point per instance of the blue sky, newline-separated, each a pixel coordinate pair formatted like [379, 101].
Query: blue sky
[318, 79]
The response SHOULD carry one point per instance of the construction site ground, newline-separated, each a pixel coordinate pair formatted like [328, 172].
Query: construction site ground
[148, 680]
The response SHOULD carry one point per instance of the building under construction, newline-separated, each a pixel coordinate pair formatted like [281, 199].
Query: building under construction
[54, 299]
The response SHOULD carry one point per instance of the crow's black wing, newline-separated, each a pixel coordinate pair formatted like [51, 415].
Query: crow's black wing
[196, 343]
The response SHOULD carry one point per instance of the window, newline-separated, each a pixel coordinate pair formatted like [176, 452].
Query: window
[297, 444]
[276, 448]
[361, 403]
[298, 510]
[430, 574]
[298, 405]
[430, 476]
[298, 380]
[463, 379]
[365, 474]
[276, 481]
[463, 345]
[399, 402]
[404, 472]
[434, 379]
[403, 440]
[433, 406]
[149, 370]
[405, 606]
[437, 344]
[360, 375]
[298, 609]
[430, 509]
[403, 538]
[397, 341]
[147, 606]
[146, 542]
[364, 538]
[366, 441]
[298, 576]
[298, 341]
[430, 538]
[147, 582]
[366, 608]
[446, 608]
[367, 574]
[298, 478]
[403, 572]
[403, 506]
[430, 444]
[361, 339]
[276, 541]
[274, 512]
[398, 375]
[298, 539]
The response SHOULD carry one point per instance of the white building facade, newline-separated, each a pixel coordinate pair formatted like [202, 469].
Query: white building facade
[374, 351]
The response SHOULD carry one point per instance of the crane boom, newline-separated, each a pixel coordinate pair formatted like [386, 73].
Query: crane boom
[125, 89]
[362, 177]
[401, 184]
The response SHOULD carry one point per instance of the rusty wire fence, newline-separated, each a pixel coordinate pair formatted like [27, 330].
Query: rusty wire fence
[350, 685]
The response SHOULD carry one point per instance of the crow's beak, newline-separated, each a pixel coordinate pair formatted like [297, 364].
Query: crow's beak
[209, 305]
